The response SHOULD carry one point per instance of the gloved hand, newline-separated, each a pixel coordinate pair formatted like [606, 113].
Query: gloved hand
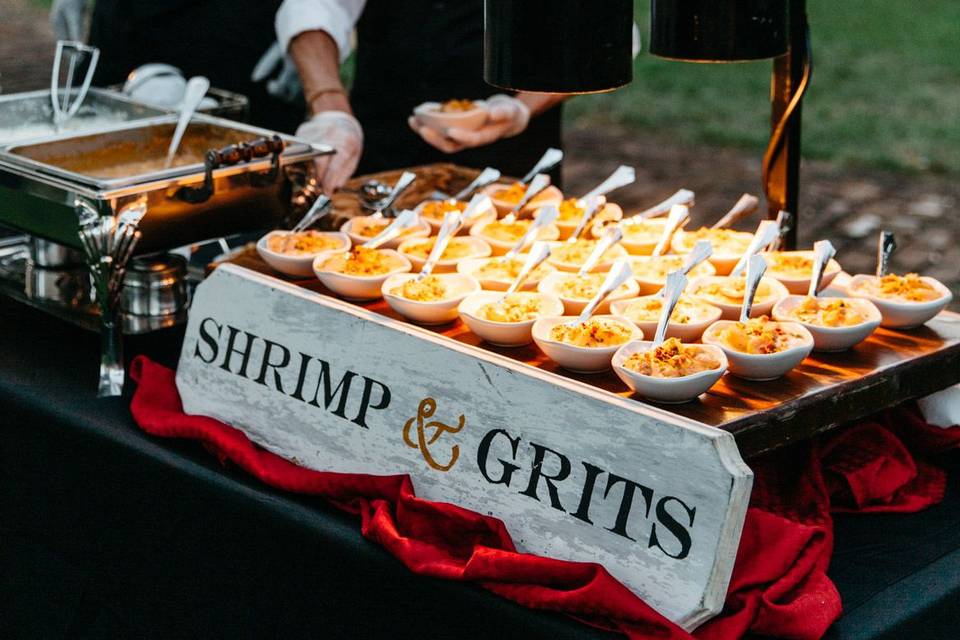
[284, 81]
[66, 18]
[341, 131]
[508, 117]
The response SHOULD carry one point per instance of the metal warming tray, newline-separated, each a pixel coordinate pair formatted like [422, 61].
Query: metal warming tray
[261, 176]
[29, 115]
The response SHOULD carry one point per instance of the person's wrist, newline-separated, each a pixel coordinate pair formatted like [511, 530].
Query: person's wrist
[331, 99]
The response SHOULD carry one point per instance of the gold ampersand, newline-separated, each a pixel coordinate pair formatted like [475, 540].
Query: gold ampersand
[424, 412]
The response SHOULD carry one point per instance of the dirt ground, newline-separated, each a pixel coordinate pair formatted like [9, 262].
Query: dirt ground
[848, 206]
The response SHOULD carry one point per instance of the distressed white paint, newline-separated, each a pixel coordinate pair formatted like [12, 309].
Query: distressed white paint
[671, 455]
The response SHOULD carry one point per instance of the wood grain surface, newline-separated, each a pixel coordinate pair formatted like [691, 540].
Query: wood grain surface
[827, 390]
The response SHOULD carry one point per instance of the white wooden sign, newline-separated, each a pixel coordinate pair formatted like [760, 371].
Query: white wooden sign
[575, 473]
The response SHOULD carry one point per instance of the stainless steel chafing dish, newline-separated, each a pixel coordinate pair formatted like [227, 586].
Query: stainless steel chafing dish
[254, 179]
[29, 115]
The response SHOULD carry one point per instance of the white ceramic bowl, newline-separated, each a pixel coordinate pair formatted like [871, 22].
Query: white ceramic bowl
[723, 260]
[652, 284]
[429, 114]
[689, 332]
[800, 286]
[832, 338]
[573, 306]
[470, 267]
[297, 265]
[903, 315]
[760, 366]
[574, 358]
[548, 233]
[667, 390]
[616, 252]
[435, 223]
[732, 311]
[479, 249]
[355, 287]
[550, 195]
[352, 228]
[429, 313]
[610, 213]
[505, 334]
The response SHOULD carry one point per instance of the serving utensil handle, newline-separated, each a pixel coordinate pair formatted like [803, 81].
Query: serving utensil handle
[678, 214]
[756, 266]
[743, 207]
[540, 182]
[403, 183]
[682, 196]
[486, 177]
[451, 223]
[766, 233]
[592, 206]
[611, 236]
[619, 273]
[546, 216]
[675, 284]
[886, 245]
[621, 177]
[405, 220]
[823, 253]
[235, 154]
[539, 252]
[550, 158]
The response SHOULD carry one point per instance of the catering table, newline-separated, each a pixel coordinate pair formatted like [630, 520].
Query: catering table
[108, 532]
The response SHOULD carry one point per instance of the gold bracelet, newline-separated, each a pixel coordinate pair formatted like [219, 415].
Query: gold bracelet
[316, 93]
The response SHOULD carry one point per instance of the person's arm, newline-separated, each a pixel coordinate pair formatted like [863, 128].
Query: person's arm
[316, 36]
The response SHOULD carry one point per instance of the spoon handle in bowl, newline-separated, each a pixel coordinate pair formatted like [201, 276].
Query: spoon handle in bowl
[823, 252]
[545, 216]
[676, 283]
[539, 252]
[403, 183]
[619, 273]
[766, 233]
[487, 176]
[591, 207]
[401, 223]
[540, 182]
[682, 196]
[678, 214]
[451, 223]
[756, 266]
[621, 177]
[885, 248]
[550, 158]
[743, 207]
[611, 236]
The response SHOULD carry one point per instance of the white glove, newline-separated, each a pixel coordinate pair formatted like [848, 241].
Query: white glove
[508, 117]
[66, 18]
[284, 85]
[341, 131]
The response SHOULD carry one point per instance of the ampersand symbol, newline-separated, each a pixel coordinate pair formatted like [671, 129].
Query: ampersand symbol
[424, 412]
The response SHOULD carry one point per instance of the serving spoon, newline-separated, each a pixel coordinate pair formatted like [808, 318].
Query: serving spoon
[700, 252]
[197, 88]
[546, 216]
[591, 206]
[885, 248]
[682, 196]
[619, 273]
[756, 266]
[675, 284]
[823, 252]
[401, 223]
[610, 237]
[550, 158]
[678, 215]
[540, 182]
[767, 231]
[539, 252]
[451, 224]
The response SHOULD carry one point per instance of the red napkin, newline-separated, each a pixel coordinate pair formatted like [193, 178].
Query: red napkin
[779, 585]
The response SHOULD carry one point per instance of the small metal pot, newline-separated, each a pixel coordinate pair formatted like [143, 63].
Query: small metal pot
[67, 287]
[51, 255]
[155, 286]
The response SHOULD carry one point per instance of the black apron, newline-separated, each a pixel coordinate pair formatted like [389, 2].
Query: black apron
[416, 51]
[219, 39]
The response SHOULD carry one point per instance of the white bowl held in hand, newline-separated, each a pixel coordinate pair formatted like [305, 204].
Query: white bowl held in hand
[431, 114]
[364, 228]
[298, 264]
[358, 287]
[827, 338]
[506, 334]
[553, 282]
[667, 390]
[433, 311]
[761, 366]
[683, 331]
[576, 358]
[762, 304]
[901, 314]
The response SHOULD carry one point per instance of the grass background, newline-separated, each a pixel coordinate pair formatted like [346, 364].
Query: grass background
[885, 89]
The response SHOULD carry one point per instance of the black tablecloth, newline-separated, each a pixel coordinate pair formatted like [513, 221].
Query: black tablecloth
[106, 532]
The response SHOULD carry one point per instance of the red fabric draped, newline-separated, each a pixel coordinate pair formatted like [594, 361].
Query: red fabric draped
[779, 585]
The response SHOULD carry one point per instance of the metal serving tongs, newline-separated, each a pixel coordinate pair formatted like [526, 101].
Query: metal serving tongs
[619, 273]
[700, 252]
[682, 196]
[550, 158]
[823, 252]
[539, 252]
[451, 224]
[756, 266]
[64, 106]
[591, 207]
[540, 182]
[743, 207]
[546, 216]
[678, 215]
[197, 88]
[672, 289]
[401, 223]
[885, 248]
[610, 237]
[767, 232]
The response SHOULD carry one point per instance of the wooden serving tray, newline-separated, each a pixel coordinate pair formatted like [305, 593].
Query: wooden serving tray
[827, 390]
